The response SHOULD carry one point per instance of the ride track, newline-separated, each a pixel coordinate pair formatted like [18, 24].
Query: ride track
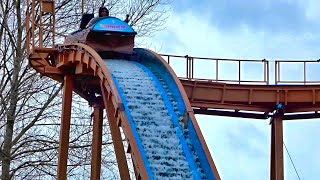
[69, 64]
[81, 69]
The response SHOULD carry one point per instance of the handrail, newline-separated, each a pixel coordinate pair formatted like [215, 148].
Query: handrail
[190, 72]
[35, 27]
[304, 81]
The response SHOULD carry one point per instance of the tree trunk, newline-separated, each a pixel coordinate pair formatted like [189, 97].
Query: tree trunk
[7, 146]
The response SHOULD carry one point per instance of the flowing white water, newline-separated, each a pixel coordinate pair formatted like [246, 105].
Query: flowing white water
[152, 120]
[159, 74]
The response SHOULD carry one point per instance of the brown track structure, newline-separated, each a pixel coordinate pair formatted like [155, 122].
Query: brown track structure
[80, 59]
[207, 95]
[73, 62]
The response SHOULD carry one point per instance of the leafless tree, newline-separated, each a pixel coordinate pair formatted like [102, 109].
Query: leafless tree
[30, 106]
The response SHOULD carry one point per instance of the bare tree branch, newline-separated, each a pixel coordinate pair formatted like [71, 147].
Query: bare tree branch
[30, 106]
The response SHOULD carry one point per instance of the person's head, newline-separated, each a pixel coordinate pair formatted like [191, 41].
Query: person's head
[103, 12]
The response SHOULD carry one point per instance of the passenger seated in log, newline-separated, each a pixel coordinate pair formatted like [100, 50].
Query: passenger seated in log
[127, 18]
[86, 18]
[103, 12]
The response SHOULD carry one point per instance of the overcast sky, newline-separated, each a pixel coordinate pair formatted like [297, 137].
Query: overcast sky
[247, 29]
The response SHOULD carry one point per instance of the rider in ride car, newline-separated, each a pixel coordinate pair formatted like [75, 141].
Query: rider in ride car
[104, 12]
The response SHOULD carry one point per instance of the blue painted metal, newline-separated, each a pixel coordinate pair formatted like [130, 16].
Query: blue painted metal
[175, 121]
[200, 151]
[112, 24]
[145, 57]
[133, 128]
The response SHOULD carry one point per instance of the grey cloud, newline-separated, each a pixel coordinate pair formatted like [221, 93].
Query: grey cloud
[273, 16]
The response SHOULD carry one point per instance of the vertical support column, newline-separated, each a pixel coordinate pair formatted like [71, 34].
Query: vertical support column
[65, 127]
[267, 72]
[217, 70]
[96, 143]
[239, 71]
[277, 163]
[116, 136]
[187, 66]
[192, 67]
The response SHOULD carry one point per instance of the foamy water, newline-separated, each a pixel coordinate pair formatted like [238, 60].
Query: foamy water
[152, 120]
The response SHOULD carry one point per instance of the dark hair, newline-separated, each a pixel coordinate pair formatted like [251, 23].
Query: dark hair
[102, 9]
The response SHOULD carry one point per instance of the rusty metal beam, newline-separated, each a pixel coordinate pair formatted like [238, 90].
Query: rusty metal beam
[65, 127]
[96, 143]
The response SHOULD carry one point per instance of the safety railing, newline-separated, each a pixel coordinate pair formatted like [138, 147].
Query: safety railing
[297, 72]
[40, 17]
[220, 70]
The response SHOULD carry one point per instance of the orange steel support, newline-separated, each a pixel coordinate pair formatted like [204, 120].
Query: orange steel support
[261, 98]
[116, 136]
[94, 67]
[65, 127]
[96, 142]
[277, 169]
